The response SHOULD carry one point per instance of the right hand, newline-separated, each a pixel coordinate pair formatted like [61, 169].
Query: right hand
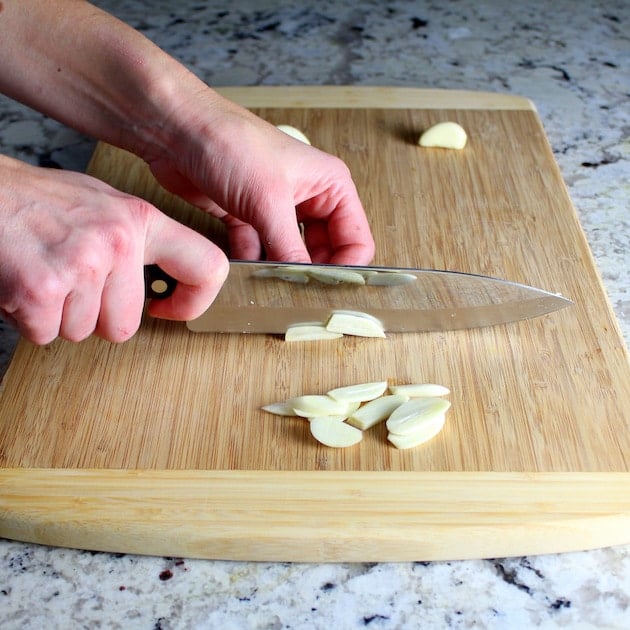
[72, 256]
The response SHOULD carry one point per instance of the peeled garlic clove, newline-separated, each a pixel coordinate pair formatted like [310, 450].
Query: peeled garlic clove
[447, 135]
[311, 406]
[358, 393]
[294, 133]
[411, 416]
[375, 411]
[420, 390]
[336, 276]
[355, 323]
[279, 409]
[309, 332]
[335, 434]
[427, 431]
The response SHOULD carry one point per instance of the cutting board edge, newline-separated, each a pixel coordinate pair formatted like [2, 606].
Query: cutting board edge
[298, 514]
[386, 97]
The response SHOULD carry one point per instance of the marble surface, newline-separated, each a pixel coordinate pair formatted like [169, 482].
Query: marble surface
[571, 58]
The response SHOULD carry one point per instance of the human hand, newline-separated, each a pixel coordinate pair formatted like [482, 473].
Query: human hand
[124, 90]
[72, 253]
[263, 184]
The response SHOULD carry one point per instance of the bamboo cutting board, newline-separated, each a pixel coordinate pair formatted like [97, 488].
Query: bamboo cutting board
[159, 446]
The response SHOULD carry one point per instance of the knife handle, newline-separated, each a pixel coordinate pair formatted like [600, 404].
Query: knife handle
[158, 285]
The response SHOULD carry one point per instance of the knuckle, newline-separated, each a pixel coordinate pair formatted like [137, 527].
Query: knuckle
[86, 262]
[120, 238]
[41, 291]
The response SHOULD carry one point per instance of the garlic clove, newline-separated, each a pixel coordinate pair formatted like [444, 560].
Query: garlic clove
[310, 332]
[294, 132]
[375, 411]
[420, 390]
[410, 416]
[359, 393]
[446, 135]
[355, 323]
[428, 431]
[335, 434]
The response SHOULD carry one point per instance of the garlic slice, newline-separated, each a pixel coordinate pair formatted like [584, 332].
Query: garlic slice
[355, 323]
[294, 132]
[358, 393]
[336, 276]
[375, 411]
[389, 278]
[413, 414]
[446, 135]
[341, 418]
[420, 390]
[428, 430]
[335, 434]
[287, 273]
[310, 332]
[311, 406]
[279, 409]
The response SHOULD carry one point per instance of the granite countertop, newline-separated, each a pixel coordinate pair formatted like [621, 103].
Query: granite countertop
[571, 58]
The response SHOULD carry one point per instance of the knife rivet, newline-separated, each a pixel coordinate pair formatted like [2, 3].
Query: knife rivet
[159, 286]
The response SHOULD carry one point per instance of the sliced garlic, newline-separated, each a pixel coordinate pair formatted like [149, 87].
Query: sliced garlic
[355, 323]
[447, 135]
[358, 393]
[335, 434]
[336, 276]
[279, 409]
[294, 133]
[420, 390]
[287, 273]
[375, 411]
[428, 430]
[413, 414]
[341, 418]
[390, 278]
[310, 332]
[311, 406]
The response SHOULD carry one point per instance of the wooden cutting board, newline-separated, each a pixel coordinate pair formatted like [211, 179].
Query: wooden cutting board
[159, 445]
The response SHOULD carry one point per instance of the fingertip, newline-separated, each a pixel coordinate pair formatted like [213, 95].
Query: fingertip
[122, 327]
[283, 252]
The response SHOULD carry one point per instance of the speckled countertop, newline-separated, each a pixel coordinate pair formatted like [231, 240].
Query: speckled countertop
[571, 58]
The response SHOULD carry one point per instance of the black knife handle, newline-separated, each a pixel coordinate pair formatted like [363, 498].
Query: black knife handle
[158, 285]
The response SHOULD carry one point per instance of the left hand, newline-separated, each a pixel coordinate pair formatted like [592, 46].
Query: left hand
[263, 184]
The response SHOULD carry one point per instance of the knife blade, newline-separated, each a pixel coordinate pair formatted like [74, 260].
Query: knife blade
[260, 297]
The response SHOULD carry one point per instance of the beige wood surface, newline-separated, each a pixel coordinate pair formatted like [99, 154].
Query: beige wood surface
[315, 516]
[543, 403]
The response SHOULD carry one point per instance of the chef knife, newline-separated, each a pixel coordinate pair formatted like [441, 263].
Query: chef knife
[262, 297]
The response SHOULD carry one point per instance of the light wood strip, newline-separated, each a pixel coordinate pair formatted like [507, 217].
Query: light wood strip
[315, 516]
[327, 96]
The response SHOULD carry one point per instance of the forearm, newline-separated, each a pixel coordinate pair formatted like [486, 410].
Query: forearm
[89, 70]
[84, 67]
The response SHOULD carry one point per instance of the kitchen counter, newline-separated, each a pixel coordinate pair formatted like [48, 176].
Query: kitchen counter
[569, 57]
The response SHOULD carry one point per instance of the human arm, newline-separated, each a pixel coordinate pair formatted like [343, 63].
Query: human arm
[109, 81]
[72, 253]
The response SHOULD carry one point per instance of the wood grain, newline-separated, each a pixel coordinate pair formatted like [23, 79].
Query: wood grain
[314, 516]
[543, 403]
